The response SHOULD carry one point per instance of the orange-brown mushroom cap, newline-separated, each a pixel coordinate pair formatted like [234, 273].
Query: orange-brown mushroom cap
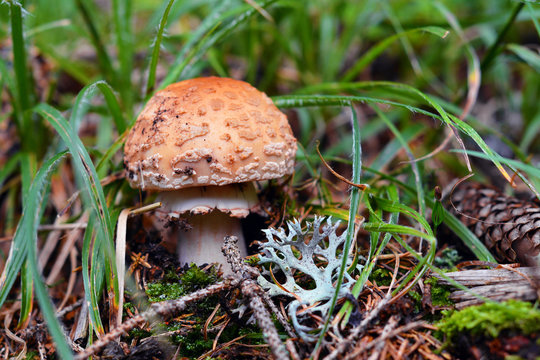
[208, 131]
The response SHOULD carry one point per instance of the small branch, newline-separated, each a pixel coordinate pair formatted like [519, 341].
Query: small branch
[160, 309]
[385, 336]
[380, 342]
[357, 331]
[254, 293]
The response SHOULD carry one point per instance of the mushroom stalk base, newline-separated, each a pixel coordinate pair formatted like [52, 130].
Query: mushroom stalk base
[202, 243]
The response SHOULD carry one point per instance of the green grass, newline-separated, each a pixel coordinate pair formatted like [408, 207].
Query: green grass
[376, 84]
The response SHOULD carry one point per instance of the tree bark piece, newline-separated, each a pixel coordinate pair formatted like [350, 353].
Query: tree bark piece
[494, 284]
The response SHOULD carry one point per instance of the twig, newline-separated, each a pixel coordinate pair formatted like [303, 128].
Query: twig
[254, 293]
[246, 270]
[385, 336]
[357, 331]
[160, 309]
[30, 331]
[292, 350]
[380, 342]
[53, 227]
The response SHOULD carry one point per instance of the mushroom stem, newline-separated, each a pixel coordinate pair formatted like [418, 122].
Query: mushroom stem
[202, 243]
[212, 212]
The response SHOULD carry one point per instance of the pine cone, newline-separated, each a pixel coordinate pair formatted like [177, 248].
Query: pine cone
[509, 227]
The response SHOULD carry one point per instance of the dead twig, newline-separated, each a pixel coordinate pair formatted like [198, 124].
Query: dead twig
[254, 293]
[389, 332]
[157, 310]
[357, 331]
[380, 343]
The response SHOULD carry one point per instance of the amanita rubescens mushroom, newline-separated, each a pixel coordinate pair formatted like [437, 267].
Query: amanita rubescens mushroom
[202, 143]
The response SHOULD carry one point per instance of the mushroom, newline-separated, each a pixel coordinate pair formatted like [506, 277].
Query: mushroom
[202, 143]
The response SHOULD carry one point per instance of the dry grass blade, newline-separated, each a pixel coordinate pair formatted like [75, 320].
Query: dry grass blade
[260, 10]
[340, 177]
[66, 248]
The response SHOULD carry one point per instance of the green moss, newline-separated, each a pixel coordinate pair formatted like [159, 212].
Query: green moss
[416, 297]
[173, 286]
[440, 294]
[252, 260]
[137, 333]
[161, 291]
[129, 306]
[32, 355]
[381, 276]
[194, 278]
[193, 344]
[448, 259]
[490, 319]
[171, 276]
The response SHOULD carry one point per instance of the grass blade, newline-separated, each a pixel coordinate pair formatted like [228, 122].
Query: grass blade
[27, 285]
[124, 47]
[91, 283]
[494, 49]
[380, 47]
[391, 149]
[22, 75]
[36, 201]
[103, 57]
[8, 168]
[375, 249]
[468, 237]
[151, 82]
[209, 23]
[83, 100]
[353, 210]
[205, 39]
[414, 166]
[534, 19]
[449, 119]
[515, 165]
[85, 170]
[25, 96]
[530, 57]
[113, 105]
[24, 247]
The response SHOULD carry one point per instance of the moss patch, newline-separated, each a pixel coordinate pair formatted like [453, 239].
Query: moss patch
[440, 294]
[195, 279]
[383, 277]
[448, 259]
[490, 319]
[173, 286]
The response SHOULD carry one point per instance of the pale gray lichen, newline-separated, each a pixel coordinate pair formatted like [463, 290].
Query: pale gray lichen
[315, 252]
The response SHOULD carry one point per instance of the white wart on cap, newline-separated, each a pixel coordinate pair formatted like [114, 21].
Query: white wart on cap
[208, 131]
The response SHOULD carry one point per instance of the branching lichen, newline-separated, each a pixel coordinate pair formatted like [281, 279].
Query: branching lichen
[305, 253]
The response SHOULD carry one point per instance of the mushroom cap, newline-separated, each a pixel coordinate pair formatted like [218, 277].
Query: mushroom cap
[208, 131]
